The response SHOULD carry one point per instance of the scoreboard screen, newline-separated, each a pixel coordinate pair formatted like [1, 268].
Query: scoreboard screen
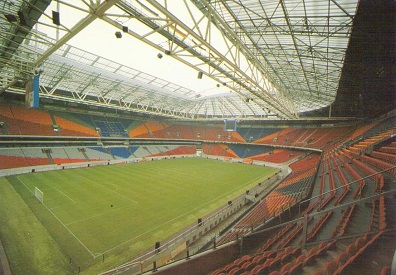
[230, 125]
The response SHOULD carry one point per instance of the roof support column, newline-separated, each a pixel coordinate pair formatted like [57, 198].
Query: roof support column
[96, 13]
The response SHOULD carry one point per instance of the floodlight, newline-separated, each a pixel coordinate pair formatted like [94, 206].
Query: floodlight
[56, 18]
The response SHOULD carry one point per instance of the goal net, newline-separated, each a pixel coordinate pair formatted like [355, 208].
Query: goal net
[39, 194]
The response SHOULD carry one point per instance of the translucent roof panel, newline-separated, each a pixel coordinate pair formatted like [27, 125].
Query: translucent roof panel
[303, 42]
[274, 57]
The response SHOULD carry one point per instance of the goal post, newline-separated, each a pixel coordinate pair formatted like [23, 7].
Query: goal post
[39, 194]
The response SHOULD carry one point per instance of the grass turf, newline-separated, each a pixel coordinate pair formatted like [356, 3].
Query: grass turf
[29, 247]
[122, 210]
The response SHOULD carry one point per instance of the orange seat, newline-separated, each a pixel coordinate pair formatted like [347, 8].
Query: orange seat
[342, 258]
[296, 268]
[330, 268]
[301, 258]
[386, 270]
[351, 249]
[262, 269]
[285, 269]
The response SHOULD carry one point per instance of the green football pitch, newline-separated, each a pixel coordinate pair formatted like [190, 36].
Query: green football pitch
[100, 217]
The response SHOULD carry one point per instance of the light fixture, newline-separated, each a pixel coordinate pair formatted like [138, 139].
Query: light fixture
[118, 34]
[56, 18]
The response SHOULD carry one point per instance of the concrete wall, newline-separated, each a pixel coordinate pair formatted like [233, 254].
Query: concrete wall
[203, 263]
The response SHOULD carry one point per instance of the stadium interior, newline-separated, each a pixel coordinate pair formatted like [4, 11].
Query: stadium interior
[310, 90]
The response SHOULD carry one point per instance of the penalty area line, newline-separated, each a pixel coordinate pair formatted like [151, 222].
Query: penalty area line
[64, 194]
[113, 191]
[224, 195]
[86, 248]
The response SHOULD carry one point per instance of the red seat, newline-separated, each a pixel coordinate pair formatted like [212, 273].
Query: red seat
[233, 271]
[271, 254]
[365, 238]
[275, 263]
[301, 258]
[330, 268]
[386, 270]
[229, 267]
[243, 261]
[359, 242]
[351, 249]
[313, 250]
[322, 248]
[288, 249]
[256, 258]
[262, 269]
[262, 259]
[237, 271]
[296, 268]
[286, 258]
[255, 269]
[331, 245]
[309, 259]
[248, 266]
[296, 251]
[342, 258]
[285, 269]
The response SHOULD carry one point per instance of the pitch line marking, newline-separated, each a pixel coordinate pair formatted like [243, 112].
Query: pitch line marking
[175, 218]
[98, 215]
[65, 195]
[95, 255]
[86, 248]
[62, 205]
[260, 177]
[113, 191]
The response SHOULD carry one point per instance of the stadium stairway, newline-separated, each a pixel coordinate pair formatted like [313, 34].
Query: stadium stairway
[82, 150]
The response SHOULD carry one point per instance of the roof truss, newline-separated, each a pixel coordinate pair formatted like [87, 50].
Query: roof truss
[281, 58]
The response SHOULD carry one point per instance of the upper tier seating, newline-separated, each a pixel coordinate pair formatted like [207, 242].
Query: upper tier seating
[218, 150]
[252, 134]
[308, 137]
[72, 126]
[245, 151]
[22, 121]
